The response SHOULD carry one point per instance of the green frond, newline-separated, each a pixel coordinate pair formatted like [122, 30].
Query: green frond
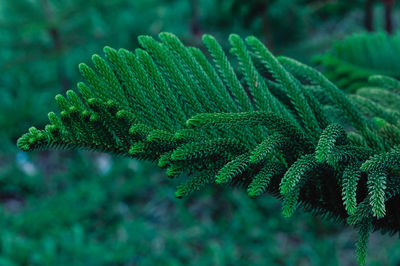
[188, 134]
[228, 74]
[273, 125]
[174, 171]
[339, 97]
[333, 135]
[233, 169]
[351, 61]
[258, 89]
[139, 131]
[317, 78]
[385, 82]
[372, 109]
[214, 77]
[376, 190]
[272, 121]
[290, 202]
[341, 156]
[208, 93]
[296, 172]
[261, 181]
[362, 213]
[292, 87]
[110, 80]
[364, 231]
[203, 149]
[170, 100]
[351, 176]
[391, 133]
[174, 73]
[194, 183]
[165, 160]
[266, 147]
[97, 87]
[383, 162]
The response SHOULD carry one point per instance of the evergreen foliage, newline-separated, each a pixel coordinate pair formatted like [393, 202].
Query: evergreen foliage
[166, 102]
[351, 61]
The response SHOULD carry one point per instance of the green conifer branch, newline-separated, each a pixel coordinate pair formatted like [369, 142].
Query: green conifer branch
[293, 133]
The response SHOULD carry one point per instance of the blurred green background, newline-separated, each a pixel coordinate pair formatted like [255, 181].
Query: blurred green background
[83, 208]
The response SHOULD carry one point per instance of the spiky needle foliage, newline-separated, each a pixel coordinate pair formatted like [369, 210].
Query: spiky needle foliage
[351, 61]
[294, 134]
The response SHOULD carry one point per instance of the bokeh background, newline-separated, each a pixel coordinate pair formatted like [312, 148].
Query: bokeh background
[84, 208]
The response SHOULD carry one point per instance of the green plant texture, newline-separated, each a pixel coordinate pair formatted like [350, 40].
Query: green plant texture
[270, 124]
[351, 61]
